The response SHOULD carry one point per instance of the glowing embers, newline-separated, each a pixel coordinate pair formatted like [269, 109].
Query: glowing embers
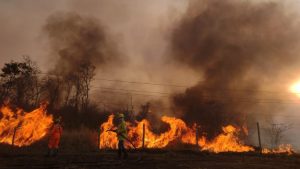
[23, 128]
[282, 149]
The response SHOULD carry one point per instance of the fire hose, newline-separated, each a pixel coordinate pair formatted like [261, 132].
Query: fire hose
[122, 135]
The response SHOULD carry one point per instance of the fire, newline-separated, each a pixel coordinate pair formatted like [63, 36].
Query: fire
[282, 149]
[108, 139]
[227, 142]
[24, 128]
[178, 132]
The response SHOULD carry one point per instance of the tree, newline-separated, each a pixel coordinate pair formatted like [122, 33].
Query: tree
[19, 83]
[276, 132]
[76, 86]
[51, 89]
[87, 75]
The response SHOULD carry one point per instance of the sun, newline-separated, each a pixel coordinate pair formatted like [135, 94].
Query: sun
[295, 88]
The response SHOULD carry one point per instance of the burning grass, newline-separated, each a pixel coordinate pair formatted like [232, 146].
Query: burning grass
[282, 149]
[27, 128]
[227, 141]
[181, 134]
[23, 128]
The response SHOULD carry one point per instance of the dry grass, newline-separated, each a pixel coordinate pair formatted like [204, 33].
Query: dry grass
[72, 141]
[81, 140]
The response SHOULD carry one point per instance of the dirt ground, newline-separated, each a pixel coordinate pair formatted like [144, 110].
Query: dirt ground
[148, 160]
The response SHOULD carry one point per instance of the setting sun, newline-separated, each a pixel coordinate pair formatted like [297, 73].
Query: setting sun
[295, 88]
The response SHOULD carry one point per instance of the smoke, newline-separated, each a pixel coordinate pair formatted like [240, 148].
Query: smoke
[78, 40]
[234, 46]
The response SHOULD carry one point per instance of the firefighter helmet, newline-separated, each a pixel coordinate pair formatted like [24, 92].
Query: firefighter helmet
[120, 115]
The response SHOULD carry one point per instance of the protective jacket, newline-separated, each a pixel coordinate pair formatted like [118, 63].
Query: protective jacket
[55, 135]
[121, 131]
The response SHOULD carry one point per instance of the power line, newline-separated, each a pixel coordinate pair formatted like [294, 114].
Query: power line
[215, 99]
[107, 103]
[126, 93]
[127, 90]
[139, 82]
[221, 89]
[182, 86]
[217, 96]
[132, 82]
[186, 86]
[250, 100]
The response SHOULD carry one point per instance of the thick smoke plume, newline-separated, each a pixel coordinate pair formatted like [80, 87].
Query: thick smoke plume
[78, 40]
[80, 46]
[233, 44]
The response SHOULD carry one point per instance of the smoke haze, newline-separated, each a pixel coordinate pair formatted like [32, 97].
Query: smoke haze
[224, 52]
[233, 45]
[78, 40]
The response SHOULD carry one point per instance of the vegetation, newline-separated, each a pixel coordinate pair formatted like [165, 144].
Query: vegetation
[23, 85]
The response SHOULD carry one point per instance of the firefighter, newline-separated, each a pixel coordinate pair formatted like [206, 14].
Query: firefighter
[55, 135]
[122, 135]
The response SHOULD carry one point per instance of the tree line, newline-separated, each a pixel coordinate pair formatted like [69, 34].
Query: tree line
[23, 85]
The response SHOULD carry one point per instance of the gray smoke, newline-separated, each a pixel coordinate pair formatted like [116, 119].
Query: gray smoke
[233, 45]
[78, 40]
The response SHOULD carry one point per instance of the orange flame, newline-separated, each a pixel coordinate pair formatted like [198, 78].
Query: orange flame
[108, 139]
[24, 127]
[227, 142]
[178, 132]
[282, 149]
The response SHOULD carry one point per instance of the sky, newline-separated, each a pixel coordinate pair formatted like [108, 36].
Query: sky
[135, 23]
[140, 29]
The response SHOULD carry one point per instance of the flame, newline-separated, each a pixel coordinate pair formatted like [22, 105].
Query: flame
[178, 132]
[25, 127]
[227, 142]
[108, 139]
[282, 149]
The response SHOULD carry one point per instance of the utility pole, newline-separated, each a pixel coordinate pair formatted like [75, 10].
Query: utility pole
[258, 133]
[197, 136]
[14, 136]
[99, 139]
[143, 145]
[130, 108]
[131, 105]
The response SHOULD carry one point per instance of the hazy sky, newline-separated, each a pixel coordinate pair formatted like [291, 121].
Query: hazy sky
[139, 28]
[133, 23]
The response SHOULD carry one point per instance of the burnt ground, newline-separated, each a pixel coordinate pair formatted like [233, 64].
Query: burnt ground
[151, 159]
